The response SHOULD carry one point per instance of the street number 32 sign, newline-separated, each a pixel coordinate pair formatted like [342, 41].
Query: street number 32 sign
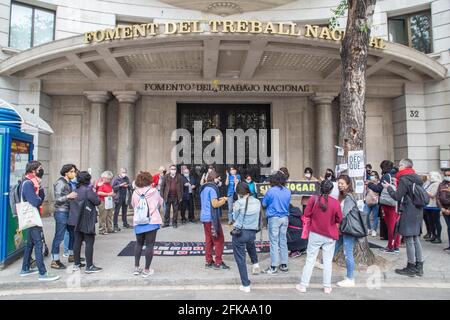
[356, 164]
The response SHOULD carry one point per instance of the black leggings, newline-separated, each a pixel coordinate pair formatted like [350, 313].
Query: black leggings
[147, 238]
[428, 218]
[89, 240]
[436, 214]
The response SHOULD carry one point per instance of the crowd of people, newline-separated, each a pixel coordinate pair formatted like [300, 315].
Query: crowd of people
[328, 221]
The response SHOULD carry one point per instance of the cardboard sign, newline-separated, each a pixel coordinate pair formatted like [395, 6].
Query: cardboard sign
[356, 164]
[303, 188]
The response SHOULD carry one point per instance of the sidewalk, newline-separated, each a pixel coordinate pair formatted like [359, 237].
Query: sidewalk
[190, 271]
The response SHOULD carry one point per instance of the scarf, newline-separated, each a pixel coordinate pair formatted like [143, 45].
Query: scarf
[404, 172]
[36, 181]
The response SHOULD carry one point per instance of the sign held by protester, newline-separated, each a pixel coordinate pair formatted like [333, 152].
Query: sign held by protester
[356, 164]
[302, 188]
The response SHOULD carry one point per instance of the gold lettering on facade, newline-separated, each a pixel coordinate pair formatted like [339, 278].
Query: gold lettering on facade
[255, 27]
[269, 28]
[99, 35]
[127, 32]
[242, 26]
[139, 30]
[213, 26]
[325, 34]
[228, 26]
[170, 28]
[311, 31]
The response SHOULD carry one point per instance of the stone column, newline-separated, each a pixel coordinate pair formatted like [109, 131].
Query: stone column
[97, 131]
[325, 150]
[126, 130]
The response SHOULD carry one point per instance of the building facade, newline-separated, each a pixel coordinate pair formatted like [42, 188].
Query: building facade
[115, 78]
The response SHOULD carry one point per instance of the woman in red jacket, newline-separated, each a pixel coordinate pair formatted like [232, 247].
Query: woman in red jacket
[322, 216]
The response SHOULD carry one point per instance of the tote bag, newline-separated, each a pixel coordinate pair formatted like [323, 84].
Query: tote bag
[109, 203]
[27, 215]
[385, 197]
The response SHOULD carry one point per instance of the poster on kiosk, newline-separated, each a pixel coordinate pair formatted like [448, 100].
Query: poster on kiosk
[16, 149]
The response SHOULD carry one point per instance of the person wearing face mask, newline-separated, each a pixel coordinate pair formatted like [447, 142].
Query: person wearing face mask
[308, 177]
[251, 185]
[371, 205]
[63, 195]
[188, 196]
[233, 178]
[329, 175]
[368, 171]
[172, 193]
[210, 217]
[121, 186]
[31, 191]
[443, 201]
[73, 186]
[432, 209]
[205, 175]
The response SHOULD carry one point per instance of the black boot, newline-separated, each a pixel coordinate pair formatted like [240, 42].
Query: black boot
[409, 270]
[419, 269]
[436, 240]
[427, 236]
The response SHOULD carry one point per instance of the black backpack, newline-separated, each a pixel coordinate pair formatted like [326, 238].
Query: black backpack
[420, 198]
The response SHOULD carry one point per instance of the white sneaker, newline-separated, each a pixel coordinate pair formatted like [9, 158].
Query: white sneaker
[65, 255]
[374, 233]
[327, 290]
[300, 288]
[347, 283]
[146, 274]
[256, 269]
[245, 289]
[318, 265]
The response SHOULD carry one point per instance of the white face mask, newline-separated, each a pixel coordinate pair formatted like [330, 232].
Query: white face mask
[173, 172]
[186, 174]
[308, 175]
[447, 178]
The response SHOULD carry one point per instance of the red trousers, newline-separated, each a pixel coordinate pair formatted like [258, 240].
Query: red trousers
[390, 218]
[212, 242]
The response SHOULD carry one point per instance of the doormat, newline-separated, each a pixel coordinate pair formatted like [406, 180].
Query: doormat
[183, 249]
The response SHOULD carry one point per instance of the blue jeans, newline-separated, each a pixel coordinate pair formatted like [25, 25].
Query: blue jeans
[245, 241]
[372, 211]
[66, 242]
[35, 237]
[278, 240]
[349, 244]
[60, 229]
[230, 208]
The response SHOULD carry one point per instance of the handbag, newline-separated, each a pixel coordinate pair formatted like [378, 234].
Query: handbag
[306, 222]
[27, 215]
[109, 203]
[353, 223]
[238, 231]
[385, 197]
[371, 198]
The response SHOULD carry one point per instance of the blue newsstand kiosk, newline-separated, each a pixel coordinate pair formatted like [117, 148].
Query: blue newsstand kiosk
[16, 149]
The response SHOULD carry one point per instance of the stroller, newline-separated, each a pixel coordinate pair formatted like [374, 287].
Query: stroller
[296, 245]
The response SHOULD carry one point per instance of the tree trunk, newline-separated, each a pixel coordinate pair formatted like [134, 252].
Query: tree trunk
[354, 52]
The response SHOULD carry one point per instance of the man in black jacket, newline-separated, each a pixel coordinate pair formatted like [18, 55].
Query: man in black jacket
[121, 185]
[172, 193]
[410, 217]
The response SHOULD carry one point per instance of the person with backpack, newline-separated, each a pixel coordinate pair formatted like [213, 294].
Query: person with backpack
[63, 195]
[83, 217]
[412, 199]
[443, 201]
[388, 205]
[432, 209]
[347, 240]
[147, 220]
[276, 201]
[322, 216]
[30, 191]
[246, 217]
[371, 205]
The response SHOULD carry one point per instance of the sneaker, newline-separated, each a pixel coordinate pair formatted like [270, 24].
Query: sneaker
[396, 250]
[256, 269]
[437, 240]
[209, 265]
[117, 229]
[137, 271]
[318, 265]
[175, 226]
[92, 269]
[427, 236]
[127, 226]
[245, 289]
[295, 254]
[191, 221]
[271, 271]
[300, 288]
[66, 255]
[284, 268]
[56, 264]
[165, 225]
[327, 290]
[48, 277]
[76, 268]
[347, 283]
[447, 249]
[388, 251]
[183, 221]
[147, 273]
[104, 233]
[374, 233]
[221, 266]
[29, 272]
